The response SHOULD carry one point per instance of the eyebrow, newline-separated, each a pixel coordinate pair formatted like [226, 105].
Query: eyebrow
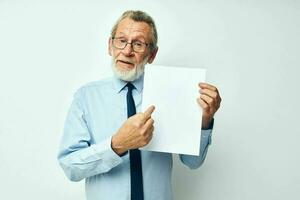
[137, 37]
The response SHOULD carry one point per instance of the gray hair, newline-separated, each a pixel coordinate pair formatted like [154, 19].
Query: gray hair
[138, 16]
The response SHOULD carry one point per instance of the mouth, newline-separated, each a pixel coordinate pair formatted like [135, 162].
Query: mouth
[125, 64]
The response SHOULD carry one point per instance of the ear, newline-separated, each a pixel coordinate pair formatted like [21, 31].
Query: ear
[152, 55]
[109, 46]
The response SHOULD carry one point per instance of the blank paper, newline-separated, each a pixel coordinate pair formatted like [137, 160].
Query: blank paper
[177, 117]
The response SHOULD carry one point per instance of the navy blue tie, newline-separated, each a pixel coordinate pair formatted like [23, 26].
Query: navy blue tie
[136, 175]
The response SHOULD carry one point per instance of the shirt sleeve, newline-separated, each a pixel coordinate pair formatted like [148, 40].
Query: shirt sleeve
[194, 162]
[78, 156]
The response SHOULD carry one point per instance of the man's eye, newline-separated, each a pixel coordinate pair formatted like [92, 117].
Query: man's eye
[138, 44]
[122, 41]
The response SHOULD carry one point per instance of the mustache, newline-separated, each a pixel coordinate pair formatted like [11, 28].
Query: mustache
[125, 60]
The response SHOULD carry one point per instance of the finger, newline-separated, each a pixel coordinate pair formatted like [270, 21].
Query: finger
[149, 136]
[150, 133]
[207, 86]
[210, 93]
[148, 112]
[203, 104]
[207, 99]
[149, 123]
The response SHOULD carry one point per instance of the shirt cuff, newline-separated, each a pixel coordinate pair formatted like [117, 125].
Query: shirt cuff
[108, 154]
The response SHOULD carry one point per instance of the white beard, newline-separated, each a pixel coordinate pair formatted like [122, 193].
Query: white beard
[130, 75]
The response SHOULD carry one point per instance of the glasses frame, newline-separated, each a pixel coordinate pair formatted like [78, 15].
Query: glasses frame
[147, 45]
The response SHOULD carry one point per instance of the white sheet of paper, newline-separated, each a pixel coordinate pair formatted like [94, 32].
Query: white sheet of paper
[177, 117]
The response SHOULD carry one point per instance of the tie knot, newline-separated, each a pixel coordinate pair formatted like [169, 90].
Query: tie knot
[130, 86]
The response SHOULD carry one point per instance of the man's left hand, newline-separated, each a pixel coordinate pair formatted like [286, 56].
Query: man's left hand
[209, 101]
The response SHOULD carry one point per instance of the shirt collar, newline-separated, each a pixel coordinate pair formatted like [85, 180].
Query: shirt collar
[120, 84]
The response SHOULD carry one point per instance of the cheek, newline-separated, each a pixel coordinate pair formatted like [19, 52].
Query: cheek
[141, 58]
[115, 53]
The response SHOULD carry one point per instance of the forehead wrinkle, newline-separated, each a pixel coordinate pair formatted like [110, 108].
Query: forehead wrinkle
[136, 34]
[131, 28]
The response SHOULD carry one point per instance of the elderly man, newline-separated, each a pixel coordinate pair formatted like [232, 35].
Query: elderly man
[103, 132]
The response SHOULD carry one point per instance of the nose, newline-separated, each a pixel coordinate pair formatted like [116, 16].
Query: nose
[128, 50]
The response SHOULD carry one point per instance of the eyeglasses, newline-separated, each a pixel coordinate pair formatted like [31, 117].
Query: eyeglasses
[137, 46]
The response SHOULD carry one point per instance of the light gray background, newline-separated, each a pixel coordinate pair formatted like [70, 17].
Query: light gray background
[251, 51]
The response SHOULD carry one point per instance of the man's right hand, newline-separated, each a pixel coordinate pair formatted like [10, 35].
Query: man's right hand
[134, 133]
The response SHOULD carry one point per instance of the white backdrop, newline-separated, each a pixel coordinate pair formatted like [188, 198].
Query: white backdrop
[251, 51]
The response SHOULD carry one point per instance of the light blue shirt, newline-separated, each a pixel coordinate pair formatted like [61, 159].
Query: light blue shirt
[97, 112]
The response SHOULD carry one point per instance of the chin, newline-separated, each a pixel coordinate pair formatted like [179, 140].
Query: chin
[126, 74]
[125, 69]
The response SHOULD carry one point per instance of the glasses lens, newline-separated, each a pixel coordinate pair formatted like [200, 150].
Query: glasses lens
[119, 43]
[136, 45]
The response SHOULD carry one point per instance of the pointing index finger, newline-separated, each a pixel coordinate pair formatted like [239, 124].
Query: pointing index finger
[148, 112]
